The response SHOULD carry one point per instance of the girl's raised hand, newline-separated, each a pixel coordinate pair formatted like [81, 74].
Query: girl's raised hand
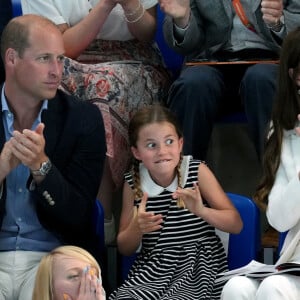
[147, 221]
[191, 197]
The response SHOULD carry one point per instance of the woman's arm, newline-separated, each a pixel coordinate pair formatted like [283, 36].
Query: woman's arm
[78, 37]
[283, 210]
[141, 22]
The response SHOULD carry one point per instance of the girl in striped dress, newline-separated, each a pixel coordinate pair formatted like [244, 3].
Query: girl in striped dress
[171, 207]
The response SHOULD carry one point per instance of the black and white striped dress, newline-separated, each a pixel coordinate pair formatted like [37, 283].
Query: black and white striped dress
[182, 259]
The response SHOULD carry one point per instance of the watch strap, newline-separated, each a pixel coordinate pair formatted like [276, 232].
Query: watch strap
[43, 170]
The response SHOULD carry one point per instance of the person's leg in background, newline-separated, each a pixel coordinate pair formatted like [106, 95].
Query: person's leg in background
[17, 274]
[240, 288]
[257, 91]
[5, 16]
[276, 287]
[195, 97]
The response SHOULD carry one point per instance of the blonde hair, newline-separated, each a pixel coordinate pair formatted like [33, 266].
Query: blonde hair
[43, 286]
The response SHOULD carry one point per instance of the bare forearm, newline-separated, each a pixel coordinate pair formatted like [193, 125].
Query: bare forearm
[79, 37]
[144, 28]
[226, 220]
[141, 22]
[129, 239]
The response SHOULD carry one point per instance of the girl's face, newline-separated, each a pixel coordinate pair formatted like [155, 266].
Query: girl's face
[159, 148]
[67, 275]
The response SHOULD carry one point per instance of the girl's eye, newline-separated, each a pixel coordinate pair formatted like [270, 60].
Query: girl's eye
[75, 276]
[169, 141]
[150, 145]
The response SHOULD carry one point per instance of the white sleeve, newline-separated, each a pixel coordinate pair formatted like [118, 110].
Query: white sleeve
[148, 3]
[283, 210]
[43, 8]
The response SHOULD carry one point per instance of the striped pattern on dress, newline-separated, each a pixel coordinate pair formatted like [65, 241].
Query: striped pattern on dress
[179, 261]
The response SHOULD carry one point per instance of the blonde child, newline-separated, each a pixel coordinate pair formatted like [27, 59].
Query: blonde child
[171, 206]
[68, 273]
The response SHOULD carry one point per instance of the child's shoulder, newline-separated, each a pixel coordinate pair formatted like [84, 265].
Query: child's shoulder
[188, 160]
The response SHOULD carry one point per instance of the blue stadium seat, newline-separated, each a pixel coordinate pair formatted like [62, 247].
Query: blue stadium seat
[98, 219]
[17, 8]
[282, 236]
[172, 59]
[245, 246]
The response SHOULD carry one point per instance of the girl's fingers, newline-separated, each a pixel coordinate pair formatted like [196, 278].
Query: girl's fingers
[100, 292]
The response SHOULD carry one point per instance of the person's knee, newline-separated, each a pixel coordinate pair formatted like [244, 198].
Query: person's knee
[240, 288]
[26, 290]
[199, 77]
[261, 74]
[197, 88]
[276, 287]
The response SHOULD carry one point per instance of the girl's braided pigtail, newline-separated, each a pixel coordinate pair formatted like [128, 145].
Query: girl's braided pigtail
[180, 202]
[138, 193]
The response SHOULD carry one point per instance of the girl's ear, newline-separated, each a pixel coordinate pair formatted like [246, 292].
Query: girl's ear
[180, 142]
[135, 153]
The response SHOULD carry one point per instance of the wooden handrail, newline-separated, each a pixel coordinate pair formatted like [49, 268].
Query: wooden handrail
[235, 62]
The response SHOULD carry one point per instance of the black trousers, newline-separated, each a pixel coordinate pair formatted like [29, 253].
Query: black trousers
[200, 93]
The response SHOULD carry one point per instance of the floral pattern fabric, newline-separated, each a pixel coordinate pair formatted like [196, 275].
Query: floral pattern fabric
[120, 78]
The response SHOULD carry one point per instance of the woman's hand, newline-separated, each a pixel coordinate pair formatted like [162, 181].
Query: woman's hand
[179, 10]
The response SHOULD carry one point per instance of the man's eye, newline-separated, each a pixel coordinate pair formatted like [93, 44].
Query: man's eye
[169, 141]
[43, 58]
[61, 59]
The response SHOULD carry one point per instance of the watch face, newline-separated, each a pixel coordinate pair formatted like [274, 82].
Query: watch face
[45, 168]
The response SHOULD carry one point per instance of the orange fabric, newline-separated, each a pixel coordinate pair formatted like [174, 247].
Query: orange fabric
[241, 13]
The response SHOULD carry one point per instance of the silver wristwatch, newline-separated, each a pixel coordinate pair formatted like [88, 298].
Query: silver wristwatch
[43, 170]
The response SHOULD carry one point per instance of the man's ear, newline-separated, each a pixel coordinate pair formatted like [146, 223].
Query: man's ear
[10, 55]
[135, 152]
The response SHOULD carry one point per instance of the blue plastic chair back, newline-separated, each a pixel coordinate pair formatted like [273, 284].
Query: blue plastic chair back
[245, 246]
[98, 219]
[16, 7]
[282, 236]
[172, 59]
